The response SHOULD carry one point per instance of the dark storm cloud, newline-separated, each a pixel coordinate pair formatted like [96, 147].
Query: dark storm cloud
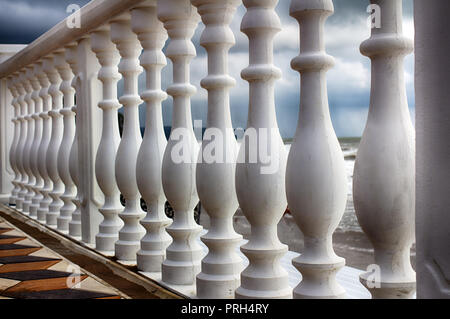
[22, 21]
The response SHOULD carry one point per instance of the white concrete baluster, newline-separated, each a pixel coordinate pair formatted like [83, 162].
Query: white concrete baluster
[183, 256]
[55, 140]
[15, 142]
[130, 49]
[261, 168]
[66, 88]
[75, 222]
[28, 195]
[43, 199]
[316, 181]
[22, 142]
[384, 177]
[221, 268]
[109, 58]
[153, 36]
[34, 161]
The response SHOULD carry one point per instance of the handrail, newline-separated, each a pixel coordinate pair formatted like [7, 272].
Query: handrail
[93, 15]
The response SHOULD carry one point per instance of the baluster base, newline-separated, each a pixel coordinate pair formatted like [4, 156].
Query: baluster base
[65, 215]
[319, 280]
[153, 245]
[75, 229]
[220, 278]
[256, 280]
[387, 290]
[43, 207]
[108, 231]
[184, 255]
[126, 250]
[19, 201]
[130, 235]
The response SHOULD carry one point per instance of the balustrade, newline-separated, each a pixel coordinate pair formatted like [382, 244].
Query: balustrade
[66, 141]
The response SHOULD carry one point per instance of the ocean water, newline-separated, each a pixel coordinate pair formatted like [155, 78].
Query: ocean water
[349, 222]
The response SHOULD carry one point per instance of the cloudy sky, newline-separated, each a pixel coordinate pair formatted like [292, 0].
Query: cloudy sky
[22, 21]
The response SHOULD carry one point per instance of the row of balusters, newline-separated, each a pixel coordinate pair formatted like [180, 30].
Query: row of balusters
[312, 181]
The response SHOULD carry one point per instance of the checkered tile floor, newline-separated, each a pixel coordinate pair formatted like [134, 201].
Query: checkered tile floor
[30, 271]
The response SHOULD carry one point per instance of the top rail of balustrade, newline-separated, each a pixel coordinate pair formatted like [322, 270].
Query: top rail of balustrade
[93, 15]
